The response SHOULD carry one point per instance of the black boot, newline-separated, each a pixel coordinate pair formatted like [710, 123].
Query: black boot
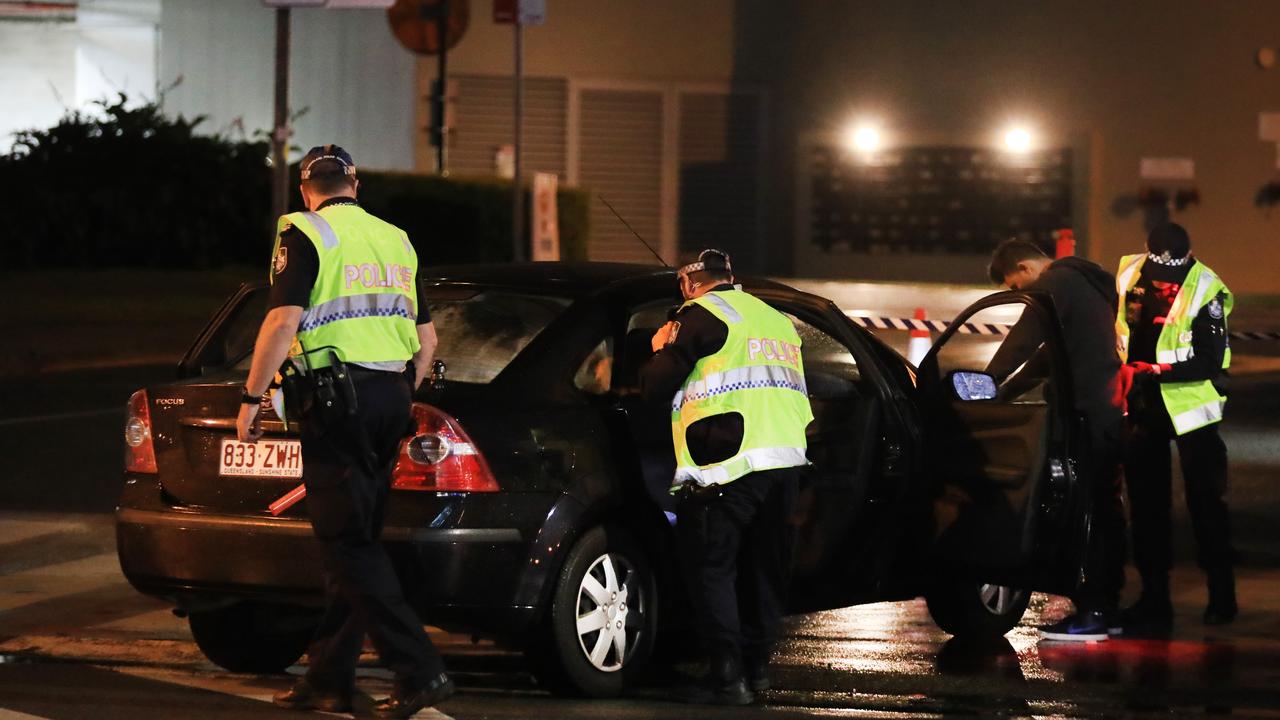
[1222, 607]
[758, 674]
[723, 685]
[1152, 615]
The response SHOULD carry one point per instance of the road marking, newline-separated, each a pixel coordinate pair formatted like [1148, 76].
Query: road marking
[5, 422]
[249, 687]
[15, 715]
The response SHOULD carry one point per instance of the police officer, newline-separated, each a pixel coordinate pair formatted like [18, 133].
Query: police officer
[1084, 297]
[730, 368]
[1173, 333]
[345, 284]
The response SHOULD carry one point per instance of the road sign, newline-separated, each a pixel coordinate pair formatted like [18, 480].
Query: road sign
[529, 12]
[416, 23]
[332, 4]
[1170, 168]
[546, 228]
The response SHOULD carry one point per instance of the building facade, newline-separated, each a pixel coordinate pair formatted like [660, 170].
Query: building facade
[726, 122]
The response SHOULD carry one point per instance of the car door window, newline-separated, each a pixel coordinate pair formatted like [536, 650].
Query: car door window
[642, 323]
[987, 341]
[595, 374]
[830, 370]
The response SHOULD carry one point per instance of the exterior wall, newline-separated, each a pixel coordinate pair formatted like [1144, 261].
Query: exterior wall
[630, 73]
[1116, 83]
[346, 70]
[617, 39]
[47, 68]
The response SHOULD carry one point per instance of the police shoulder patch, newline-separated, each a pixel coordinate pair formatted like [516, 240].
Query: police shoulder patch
[281, 260]
[1215, 309]
[675, 331]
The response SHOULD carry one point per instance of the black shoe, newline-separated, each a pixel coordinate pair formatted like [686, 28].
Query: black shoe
[734, 692]
[1147, 619]
[1080, 627]
[304, 696]
[1222, 598]
[759, 682]
[1215, 615]
[407, 705]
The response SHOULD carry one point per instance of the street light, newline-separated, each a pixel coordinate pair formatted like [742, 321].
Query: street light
[1017, 140]
[863, 138]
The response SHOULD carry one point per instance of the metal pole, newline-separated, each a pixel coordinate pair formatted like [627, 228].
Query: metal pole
[280, 134]
[440, 97]
[517, 191]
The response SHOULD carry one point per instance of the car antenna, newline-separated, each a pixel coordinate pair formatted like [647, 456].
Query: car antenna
[633, 230]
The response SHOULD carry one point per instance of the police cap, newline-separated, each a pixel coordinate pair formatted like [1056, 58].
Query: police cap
[325, 160]
[709, 260]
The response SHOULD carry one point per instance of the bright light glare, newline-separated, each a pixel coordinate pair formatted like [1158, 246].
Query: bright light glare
[1017, 140]
[863, 138]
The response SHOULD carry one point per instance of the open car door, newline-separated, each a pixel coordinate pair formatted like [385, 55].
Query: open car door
[995, 396]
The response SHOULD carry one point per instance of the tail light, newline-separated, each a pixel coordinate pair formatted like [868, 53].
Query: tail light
[139, 453]
[440, 457]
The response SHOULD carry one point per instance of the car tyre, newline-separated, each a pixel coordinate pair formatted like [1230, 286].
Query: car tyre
[603, 618]
[253, 637]
[969, 609]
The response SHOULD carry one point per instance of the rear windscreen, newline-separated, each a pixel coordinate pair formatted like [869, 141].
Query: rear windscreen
[481, 333]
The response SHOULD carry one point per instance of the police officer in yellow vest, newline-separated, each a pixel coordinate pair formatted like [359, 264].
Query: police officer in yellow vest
[730, 368]
[1172, 328]
[344, 283]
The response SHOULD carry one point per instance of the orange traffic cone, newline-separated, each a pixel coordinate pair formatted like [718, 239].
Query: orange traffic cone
[920, 342]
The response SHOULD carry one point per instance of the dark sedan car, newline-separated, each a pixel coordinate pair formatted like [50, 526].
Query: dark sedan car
[531, 505]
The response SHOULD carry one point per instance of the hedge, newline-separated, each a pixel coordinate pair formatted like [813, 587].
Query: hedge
[130, 187]
[452, 220]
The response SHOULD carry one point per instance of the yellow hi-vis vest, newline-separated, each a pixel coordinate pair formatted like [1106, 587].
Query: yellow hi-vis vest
[1191, 405]
[759, 374]
[364, 301]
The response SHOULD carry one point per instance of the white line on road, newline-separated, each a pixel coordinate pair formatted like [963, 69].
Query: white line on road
[242, 686]
[15, 715]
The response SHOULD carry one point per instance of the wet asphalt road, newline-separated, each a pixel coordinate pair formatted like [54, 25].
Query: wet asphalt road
[77, 642]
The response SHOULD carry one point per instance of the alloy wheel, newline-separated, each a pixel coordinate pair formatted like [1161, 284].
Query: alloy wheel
[610, 612]
[997, 599]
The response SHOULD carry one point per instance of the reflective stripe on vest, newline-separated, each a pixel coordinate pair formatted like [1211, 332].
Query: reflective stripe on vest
[357, 306]
[742, 464]
[757, 374]
[364, 300]
[327, 235]
[1198, 417]
[1190, 405]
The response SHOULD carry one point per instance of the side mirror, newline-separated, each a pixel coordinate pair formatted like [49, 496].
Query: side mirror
[970, 386]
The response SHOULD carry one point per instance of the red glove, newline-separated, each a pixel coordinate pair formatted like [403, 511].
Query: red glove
[1142, 368]
[1124, 383]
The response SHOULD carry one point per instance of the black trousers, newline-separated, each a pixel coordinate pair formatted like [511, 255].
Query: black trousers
[736, 549]
[1148, 475]
[1104, 561]
[347, 471]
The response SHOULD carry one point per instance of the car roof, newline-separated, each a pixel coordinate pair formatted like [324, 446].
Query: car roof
[573, 279]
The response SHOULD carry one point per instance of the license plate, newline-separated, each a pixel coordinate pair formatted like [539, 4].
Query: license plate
[265, 458]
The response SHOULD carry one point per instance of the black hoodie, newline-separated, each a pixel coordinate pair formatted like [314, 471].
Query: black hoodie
[1085, 298]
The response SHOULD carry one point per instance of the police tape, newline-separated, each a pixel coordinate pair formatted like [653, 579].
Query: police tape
[970, 328]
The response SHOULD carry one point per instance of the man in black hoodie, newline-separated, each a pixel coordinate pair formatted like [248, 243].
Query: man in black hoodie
[1084, 297]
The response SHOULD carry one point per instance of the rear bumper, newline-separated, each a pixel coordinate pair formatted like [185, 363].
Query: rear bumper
[457, 578]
